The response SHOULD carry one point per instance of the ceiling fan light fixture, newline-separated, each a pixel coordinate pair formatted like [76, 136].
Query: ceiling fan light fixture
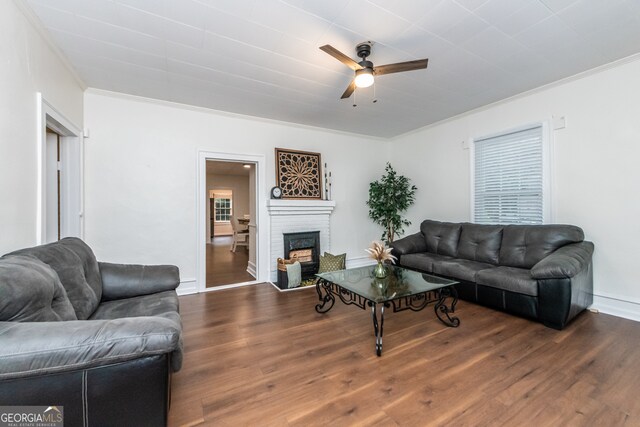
[364, 77]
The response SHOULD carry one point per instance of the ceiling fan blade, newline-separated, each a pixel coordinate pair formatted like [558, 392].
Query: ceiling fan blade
[341, 57]
[347, 93]
[400, 67]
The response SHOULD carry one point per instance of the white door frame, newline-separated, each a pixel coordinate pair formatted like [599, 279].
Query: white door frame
[262, 217]
[72, 177]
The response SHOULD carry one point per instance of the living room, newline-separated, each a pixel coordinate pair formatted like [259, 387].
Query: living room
[149, 117]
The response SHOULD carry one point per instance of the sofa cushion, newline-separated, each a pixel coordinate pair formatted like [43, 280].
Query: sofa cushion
[30, 291]
[441, 237]
[422, 261]
[510, 279]
[462, 269]
[523, 246]
[480, 242]
[77, 269]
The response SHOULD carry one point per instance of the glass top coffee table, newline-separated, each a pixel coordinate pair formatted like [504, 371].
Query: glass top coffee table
[402, 289]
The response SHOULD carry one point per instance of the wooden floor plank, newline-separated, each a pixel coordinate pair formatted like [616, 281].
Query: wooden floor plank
[223, 266]
[256, 356]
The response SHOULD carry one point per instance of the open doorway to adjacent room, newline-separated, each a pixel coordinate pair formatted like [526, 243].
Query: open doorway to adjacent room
[231, 225]
[59, 175]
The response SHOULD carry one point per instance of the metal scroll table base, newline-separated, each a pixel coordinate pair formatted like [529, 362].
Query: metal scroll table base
[327, 292]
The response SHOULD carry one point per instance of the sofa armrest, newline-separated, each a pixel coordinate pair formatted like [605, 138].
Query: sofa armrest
[565, 262]
[37, 348]
[413, 243]
[126, 281]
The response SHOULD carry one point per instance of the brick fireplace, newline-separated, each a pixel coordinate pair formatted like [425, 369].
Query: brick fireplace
[294, 217]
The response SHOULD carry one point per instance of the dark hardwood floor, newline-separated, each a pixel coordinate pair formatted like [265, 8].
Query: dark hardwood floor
[257, 357]
[225, 267]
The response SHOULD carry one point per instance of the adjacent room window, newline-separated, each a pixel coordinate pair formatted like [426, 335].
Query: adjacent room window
[509, 180]
[223, 209]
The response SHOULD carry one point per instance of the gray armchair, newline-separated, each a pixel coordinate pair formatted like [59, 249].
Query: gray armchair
[99, 339]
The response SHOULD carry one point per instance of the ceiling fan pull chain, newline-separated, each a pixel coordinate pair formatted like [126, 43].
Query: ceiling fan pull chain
[354, 99]
[374, 93]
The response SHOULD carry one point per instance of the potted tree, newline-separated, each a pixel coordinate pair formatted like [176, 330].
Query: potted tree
[389, 198]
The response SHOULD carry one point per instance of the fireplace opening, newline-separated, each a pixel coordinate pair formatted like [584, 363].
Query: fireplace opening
[306, 246]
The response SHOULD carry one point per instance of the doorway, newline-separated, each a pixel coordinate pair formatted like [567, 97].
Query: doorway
[231, 231]
[60, 183]
[247, 264]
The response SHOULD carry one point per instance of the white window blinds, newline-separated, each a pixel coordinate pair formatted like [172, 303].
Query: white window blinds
[508, 178]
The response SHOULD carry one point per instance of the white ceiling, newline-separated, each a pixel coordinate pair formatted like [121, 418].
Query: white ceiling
[261, 57]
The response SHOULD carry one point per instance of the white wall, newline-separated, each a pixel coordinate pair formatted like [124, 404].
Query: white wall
[141, 167]
[595, 175]
[29, 65]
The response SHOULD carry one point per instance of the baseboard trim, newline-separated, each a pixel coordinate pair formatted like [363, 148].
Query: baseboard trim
[187, 287]
[251, 269]
[291, 289]
[360, 261]
[616, 307]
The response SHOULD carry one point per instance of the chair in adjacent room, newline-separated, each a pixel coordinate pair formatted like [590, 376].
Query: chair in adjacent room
[240, 236]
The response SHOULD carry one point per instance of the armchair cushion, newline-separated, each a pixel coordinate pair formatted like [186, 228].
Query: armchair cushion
[126, 281]
[37, 348]
[162, 304]
[77, 270]
[30, 291]
[143, 305]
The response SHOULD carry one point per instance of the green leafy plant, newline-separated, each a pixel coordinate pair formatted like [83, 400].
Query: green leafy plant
[389, 198]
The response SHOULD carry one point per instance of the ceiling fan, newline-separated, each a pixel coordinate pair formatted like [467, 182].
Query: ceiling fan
[365, 70]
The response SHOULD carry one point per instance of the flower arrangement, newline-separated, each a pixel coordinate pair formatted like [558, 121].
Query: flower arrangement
[378, 252]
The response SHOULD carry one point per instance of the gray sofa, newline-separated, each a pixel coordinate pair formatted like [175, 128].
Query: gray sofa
[543, 272]
[99, 339]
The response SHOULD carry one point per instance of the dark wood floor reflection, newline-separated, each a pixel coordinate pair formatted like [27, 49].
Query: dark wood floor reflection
[258, 357]
[225, 267]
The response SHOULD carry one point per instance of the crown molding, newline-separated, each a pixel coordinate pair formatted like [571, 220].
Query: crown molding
[582, 75]
[33, 19]
[207, 110]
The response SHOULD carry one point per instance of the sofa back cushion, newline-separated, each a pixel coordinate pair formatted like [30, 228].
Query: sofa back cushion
[77, 269]
[31, 292]
[523, 246]
[479, 242]
[441, 237]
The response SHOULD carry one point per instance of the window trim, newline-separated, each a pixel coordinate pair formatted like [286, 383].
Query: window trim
[548, 215]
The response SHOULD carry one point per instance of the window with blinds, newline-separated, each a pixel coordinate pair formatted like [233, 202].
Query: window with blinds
[508, 178]
[223, 210]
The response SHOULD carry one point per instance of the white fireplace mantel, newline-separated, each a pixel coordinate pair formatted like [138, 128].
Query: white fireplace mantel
[293, 216]
[300, 207]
